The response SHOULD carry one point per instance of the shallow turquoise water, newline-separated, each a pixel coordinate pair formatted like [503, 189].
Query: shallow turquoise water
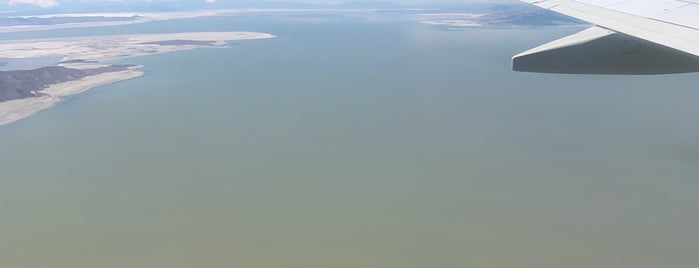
[353, 142]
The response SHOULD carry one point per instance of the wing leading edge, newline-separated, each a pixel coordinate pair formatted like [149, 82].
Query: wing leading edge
[631, 37]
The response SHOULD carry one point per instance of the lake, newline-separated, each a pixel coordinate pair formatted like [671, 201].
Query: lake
[354, 141]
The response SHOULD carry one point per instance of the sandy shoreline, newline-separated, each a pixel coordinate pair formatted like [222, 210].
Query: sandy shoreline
[15, 110]
[112, 47]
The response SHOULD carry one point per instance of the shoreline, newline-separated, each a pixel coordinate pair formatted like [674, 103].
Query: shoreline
[88, 52]
[15, 110]
[100, 48]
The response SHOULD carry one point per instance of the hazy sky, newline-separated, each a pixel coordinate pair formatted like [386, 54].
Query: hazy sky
[53, 3]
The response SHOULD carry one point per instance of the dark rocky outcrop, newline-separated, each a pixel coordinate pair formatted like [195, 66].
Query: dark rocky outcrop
[22, 84]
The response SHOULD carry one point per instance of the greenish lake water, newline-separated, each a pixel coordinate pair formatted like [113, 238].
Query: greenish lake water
[354, 142]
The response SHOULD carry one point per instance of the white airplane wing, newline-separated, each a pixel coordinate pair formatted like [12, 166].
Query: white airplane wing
[629, 37]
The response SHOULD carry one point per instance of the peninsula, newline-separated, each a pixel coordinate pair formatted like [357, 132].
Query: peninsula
[82, 66]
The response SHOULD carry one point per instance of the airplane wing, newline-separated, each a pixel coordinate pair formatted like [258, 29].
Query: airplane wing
[629, 37]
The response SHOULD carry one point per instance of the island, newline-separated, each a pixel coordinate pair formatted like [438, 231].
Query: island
[82, 65]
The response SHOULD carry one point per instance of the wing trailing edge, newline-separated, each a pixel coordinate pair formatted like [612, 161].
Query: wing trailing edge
[597, 50]
[644, 37]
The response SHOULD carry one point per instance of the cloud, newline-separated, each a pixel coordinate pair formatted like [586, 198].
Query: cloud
[209, 1]
[40, 3]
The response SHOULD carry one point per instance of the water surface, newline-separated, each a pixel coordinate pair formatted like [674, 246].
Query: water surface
[353, 142]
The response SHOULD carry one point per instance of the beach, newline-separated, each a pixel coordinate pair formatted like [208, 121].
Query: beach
[113, 47]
